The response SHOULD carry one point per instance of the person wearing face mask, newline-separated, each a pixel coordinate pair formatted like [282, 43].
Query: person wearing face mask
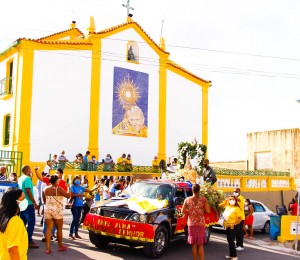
[28, 215]
[232, 219]
[108, 163]
[128, 163]
[209, 174]
[240, 233]
[77, 193]
[13, 234]
[53, 196]
[249, 218]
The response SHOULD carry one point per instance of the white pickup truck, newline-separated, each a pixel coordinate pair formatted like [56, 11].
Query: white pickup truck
[4, 185]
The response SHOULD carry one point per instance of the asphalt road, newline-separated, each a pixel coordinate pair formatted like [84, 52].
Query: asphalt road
[261, 248]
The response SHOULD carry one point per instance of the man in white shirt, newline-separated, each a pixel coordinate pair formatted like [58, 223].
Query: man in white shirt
[62, 159]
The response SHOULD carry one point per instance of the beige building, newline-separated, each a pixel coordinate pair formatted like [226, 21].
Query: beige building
[277, 150]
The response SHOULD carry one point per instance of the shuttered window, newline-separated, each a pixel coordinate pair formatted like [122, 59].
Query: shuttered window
[6, 129]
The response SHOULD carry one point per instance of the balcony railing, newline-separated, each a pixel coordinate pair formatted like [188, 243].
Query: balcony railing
[6, 86]
[12, 160]
[102, 167]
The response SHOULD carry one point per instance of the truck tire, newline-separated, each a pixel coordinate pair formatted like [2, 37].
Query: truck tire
[158, 247]
[98, 240]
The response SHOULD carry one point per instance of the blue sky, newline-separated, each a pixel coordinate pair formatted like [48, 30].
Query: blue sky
[248, 49]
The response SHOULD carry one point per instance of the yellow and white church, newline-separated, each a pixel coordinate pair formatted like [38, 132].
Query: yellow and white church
[110, 91]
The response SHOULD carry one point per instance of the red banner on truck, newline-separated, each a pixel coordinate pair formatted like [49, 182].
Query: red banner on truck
[119, 228]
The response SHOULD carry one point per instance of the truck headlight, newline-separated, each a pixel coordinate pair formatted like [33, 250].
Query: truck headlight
[143, 218]
[94, 210]
[138, 217]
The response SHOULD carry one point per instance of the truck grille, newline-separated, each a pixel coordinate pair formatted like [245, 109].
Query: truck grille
[112, 214]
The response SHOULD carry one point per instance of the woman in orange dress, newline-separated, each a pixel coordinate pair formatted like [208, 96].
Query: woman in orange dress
[195, 207]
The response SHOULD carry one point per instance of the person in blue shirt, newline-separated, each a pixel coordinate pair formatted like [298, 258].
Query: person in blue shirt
[85, 162]
[77, 193]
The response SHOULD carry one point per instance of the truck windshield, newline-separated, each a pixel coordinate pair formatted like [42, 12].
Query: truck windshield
[151, 190]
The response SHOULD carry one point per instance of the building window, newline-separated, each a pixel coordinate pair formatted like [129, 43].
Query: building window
[132, 52]
[6, 129]
[6, 85]
[263, 161]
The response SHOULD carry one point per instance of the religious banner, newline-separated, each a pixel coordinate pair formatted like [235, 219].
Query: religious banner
[130, 103]
[119, 228]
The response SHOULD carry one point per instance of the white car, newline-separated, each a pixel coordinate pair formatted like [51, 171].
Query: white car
[261, 217]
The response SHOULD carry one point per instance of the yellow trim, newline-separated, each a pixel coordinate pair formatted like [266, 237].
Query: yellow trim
[23, 111]
[138, 56]
[140, 32]
[95, 100]
[162, 116]
[179, 231]
[205, 117]
[5, 97]
[9, 53]
[119, 236]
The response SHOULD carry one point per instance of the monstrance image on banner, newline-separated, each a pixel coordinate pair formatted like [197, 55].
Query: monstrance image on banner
[130, 103]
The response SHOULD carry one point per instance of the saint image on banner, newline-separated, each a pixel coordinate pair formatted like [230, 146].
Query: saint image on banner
[130, 103]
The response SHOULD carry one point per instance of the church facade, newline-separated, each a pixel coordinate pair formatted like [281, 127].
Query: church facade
[111, 91]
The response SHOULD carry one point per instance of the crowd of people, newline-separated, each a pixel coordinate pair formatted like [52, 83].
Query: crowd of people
[18, 207]
[90, 163]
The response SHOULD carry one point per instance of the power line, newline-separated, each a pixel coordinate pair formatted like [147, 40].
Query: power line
[120, 58]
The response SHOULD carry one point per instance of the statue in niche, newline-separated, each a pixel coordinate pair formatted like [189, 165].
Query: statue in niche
[131, 56]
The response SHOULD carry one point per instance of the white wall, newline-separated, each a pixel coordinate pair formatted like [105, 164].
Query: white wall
[7, 106]
[60, 103]
[114, 52]
[184, 112]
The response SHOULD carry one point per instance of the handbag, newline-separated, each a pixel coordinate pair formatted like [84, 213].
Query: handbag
[69, 203]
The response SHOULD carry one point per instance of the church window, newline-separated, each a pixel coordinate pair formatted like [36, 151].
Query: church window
[6, 129]
[132, 52]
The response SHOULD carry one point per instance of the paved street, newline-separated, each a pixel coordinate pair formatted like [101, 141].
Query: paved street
[261, 248]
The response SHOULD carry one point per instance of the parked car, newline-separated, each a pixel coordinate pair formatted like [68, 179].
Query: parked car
[261, 217]
[120, 222]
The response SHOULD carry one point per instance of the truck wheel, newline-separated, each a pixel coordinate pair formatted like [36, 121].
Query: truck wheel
[98, 240]
[158, 247]
[207, 234]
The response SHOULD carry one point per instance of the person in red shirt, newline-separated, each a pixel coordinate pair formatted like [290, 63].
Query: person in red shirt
[293, 208]
[59, 173]
[62, 183]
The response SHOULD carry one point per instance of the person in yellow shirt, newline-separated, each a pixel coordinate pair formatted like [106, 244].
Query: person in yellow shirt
[240, 233]
[122, 160]
[13, 234]
[232, 218]
[155, 162]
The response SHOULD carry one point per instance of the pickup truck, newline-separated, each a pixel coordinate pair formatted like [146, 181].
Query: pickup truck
[147, 213]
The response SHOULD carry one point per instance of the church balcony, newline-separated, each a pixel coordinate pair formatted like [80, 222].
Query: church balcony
[6, 87]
